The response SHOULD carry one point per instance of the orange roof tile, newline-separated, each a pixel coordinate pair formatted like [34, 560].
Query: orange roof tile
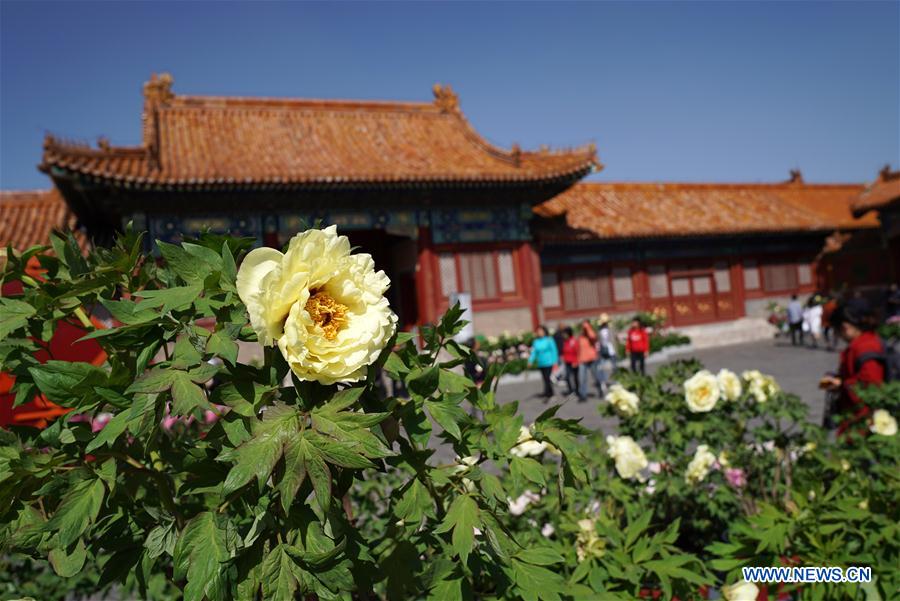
[589, 211]
[28, 217]
[224, 141]
[880, 193]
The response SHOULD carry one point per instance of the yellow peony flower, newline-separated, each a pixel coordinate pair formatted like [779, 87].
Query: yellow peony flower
[629, 457]
[883, 423]
[588, 543]
[729, 384]
[623, 401]
[700, 465]
[324, 307]
[701, 391]
[740, 591]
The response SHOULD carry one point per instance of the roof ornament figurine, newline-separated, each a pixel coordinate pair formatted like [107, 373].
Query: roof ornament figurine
[445, 98]
[516, 154]
[159, 89]
[796, 177]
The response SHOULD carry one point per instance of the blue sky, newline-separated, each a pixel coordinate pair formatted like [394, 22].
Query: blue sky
[677, 91]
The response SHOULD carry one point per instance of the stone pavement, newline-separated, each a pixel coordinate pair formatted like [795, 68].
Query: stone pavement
[797, 370]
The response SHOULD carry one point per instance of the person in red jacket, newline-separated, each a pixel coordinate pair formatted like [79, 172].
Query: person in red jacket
[637, 345]
[862, 362]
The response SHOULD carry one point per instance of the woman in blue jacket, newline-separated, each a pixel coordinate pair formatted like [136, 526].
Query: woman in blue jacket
[544, 355]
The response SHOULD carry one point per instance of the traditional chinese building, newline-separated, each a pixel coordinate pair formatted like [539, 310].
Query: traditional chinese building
[697, 252]
[408, 182]
[443, 211]
[883, 197]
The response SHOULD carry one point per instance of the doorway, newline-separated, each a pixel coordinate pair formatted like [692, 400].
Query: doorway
[396, 255]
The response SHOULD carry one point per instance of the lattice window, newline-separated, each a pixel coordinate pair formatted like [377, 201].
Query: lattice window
[723, 277]
[447, 267]
[478, 275]
[550, 296]
[659, 283]
[507, 272]
[779, 276]
[681, 286]
[586, 289]
[623, 289]
[751, 275]
[804, 274]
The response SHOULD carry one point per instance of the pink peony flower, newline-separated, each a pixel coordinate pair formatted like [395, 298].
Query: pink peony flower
[99, 422]
[168, 422]
[736, 477]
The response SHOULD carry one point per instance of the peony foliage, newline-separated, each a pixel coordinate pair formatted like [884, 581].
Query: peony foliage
[349, 461]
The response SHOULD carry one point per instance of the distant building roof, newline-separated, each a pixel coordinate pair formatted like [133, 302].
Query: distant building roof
[590, 211]
[29, 216]
[213, 142]
[879, 194]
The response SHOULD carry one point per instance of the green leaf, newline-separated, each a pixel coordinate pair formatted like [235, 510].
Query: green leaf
[448, 415]
[156, 380]
[319, 474]
[110, 432]
[343, 454]
[462, 517]
[184, 264]
[201, 554]
[128, 312]
[176, 298]
[415, 503]
[540, 556]
[64, 381]
[423, 381]
[186, 396]
[77, 511]
[161, 540]
[257, 457]
[221, 345]
[528, 468]
[68, 563]
[281, 576]
[14, 314]
[294, 472]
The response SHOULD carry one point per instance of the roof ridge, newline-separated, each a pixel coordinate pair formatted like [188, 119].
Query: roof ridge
[203, 101]
[761, 185]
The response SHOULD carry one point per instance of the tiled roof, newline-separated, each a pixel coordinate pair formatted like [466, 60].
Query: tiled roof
[589, 211]
[880, 193]
[205, 141]
[28, 217]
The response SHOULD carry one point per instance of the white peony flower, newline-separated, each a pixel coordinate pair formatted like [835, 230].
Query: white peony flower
[623, 401]
[324, 307]
[701, 391]
[760, 386]
[548, 530]
[464, 464]
[740, 591]
[883, 423]
[729, 385]
[518, 505]
[629, 457]
[723, 459]
[526, 446]
[700, 465]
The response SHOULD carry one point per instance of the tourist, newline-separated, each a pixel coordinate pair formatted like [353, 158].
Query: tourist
[828, 330]
[559, 337]
[544, 356]
[606, 348]
[862, 362]
[795, 320]
[587, 358]
[475, 367]
[570, 360]
[637, 345]
[812, 319]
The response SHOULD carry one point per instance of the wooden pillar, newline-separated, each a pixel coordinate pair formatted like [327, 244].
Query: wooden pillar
[425, 278]
[739, 295]
[530, 268]
[641, 284]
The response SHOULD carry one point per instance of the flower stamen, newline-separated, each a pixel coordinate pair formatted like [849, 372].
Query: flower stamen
[327, 313]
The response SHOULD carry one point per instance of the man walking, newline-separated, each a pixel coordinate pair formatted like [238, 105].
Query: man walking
[637, 345]
[795, 320]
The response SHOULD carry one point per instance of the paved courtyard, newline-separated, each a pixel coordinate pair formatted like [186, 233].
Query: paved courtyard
[797, 370]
